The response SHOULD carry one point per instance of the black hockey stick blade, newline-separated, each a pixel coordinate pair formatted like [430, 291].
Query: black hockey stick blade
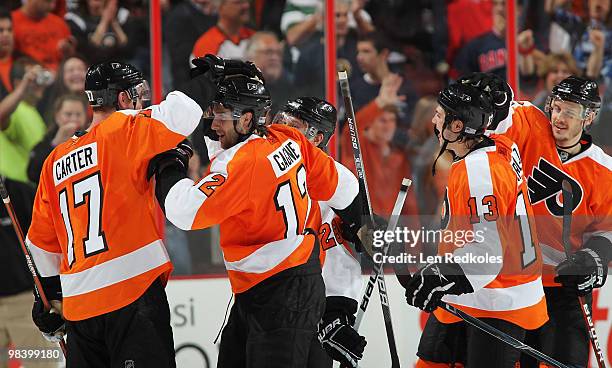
[502, 336]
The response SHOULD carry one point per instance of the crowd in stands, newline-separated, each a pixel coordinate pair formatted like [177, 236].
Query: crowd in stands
[398, 54]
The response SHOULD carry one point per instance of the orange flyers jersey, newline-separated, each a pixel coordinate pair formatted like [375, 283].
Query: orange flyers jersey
[589, 174]
[488, 229]
[341, 271]
[260, 192]
[216, 42]
[94, 217]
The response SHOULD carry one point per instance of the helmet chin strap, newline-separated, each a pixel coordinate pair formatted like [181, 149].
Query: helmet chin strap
[575, 144]
[444, 145]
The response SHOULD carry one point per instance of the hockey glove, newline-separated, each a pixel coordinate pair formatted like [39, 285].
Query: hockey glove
[178, 156]
[336, 333]
[427, 287]
[498, 88]
[216, 68]
[363, 236]
[49, 322]
[582, 271]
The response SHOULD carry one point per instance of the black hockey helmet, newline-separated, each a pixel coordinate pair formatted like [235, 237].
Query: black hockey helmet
[243, 94]
[579, 90]
[319, 114]
[468, 104]
[104, 81]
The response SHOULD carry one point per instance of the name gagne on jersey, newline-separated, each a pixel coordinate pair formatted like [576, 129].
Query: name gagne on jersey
[285, 157]
[75, 162]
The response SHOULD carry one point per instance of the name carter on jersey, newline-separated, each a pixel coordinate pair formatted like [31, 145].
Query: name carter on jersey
[75, 162]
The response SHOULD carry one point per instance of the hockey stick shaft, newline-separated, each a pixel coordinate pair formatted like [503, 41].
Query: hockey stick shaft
[26, 252]
[502, 336]
[568, 207]
[397, 208]
[361, 175]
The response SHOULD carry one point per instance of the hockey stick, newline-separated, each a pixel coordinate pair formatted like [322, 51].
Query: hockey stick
[568, 206]
[502, 336]
[397, 208]
[26, 252]
[382, 288]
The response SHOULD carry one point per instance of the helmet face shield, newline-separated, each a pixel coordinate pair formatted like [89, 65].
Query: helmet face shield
[568, 109]
[219, 112]
[286, 118]
[142, 91]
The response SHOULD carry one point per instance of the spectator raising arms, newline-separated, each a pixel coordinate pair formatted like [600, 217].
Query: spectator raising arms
[228, 38]
[385, 164]
[22, 127]
[98, 29]
[41, 35]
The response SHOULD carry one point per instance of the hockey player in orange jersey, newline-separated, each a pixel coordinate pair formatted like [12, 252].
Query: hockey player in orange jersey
[93, 235]
[554, 148]
[316, 119]
[495, 274]
[260, 188]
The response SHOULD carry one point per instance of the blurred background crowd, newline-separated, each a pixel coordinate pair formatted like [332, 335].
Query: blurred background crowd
[398, 54]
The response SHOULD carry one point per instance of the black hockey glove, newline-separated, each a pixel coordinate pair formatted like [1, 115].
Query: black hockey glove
[216, 68]
[336, 333]
[363, 236]
[582, 271]
[50, 322]
[427, 287]
[178, 156]
[498, 88]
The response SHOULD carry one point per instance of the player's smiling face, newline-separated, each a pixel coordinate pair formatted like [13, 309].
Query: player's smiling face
[566, 122]
[223, 125]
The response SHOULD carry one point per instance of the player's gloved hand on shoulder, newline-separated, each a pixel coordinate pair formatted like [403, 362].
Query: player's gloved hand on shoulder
[427, 287]
[178, 156]
[336, 333]
[216, 68]
[582, 271]
[498, 88]
[50, 323]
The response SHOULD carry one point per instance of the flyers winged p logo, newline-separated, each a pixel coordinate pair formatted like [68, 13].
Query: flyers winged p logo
[544, 184]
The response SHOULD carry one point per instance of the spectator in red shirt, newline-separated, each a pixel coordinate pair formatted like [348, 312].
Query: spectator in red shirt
[385, 164]
[229, 37]
[6, 51]
[40, 34]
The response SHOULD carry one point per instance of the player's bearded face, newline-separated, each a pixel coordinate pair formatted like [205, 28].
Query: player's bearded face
[566, 122]
[223, 125]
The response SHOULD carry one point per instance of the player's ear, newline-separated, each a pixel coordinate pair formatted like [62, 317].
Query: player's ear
[245, 122]
[317, 139]
[456, 126]
[123, 100]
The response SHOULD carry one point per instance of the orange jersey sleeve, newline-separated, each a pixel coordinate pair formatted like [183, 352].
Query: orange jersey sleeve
[261, 192]
[94, 221]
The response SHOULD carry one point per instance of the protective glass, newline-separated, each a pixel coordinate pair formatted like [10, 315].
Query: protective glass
[142, 91]
[218, 111]
[285, 118]
[553, 106]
